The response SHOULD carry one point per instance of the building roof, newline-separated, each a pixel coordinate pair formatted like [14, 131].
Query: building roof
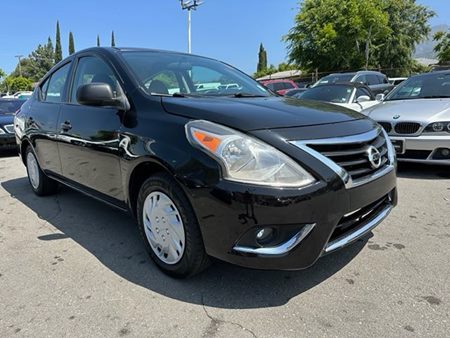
[287, 74]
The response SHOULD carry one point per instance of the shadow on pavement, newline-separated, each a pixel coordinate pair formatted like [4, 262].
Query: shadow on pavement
[423, 171]
[112, 237]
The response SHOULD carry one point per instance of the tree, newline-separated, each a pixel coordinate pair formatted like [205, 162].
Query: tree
[14, 84]
[262, 59]
[113, 40]
[58, 49]
[408, 23]
[442, 47]
[98, 40]
[2, 74]
[38, 63]
[71, 44]
[334, 35]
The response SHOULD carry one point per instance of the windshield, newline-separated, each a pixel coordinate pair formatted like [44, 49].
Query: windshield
[425, 86]
[333, 78]
[165, 73]
[10, 106]
[336, 94]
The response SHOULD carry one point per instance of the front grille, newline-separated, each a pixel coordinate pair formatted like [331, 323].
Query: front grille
[353, 157]
[352, 221]
[407, 127]
[9, 128]
[386, 126]
[415, 154]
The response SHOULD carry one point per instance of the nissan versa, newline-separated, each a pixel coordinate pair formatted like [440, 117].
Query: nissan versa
[231, 172]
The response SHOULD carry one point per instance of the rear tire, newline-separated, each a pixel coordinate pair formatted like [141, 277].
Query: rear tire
[40, 183]
[188, 254]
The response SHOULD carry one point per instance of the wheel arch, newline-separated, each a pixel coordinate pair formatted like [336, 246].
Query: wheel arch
[139, 174]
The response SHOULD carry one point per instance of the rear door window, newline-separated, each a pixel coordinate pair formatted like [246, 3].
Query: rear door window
[57, 85]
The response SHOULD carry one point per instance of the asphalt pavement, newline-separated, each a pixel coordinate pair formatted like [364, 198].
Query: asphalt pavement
[72, 266]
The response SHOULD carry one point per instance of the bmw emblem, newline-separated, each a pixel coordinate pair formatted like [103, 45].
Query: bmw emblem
[396, 117]
[374, 157]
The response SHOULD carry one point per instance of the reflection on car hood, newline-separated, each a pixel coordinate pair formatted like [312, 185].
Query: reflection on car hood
[411, 110]
[6, 119]
[259, 113]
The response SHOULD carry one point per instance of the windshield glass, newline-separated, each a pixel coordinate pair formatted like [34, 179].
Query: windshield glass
[336, 94]
[425, 86]
[334, 78]
[165, 73]
[10, 106]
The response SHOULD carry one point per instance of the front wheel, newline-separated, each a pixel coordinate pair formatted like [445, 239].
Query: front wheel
[40, 183]
[169, 228]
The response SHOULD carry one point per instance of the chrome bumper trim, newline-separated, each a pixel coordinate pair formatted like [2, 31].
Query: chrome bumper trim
[279, 250]
[358, 233]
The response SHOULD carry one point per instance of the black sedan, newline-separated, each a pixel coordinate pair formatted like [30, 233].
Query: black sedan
[234, 173]
[8, 108]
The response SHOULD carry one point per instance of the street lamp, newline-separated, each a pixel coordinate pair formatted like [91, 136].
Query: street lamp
[190, 5]
[20, 66]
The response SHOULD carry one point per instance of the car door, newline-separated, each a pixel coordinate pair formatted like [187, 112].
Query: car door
[42, 119]
[89, 135]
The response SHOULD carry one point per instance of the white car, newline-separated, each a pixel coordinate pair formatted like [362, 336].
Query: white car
[352, 95]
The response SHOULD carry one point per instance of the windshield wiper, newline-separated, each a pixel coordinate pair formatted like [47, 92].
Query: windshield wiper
[238, 95]
[436, 97]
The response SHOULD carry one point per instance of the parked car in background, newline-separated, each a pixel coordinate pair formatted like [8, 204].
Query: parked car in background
[241, 175]
[352, 95]
[279, 86]
[416, 115]
[396, 80]
[8, 107]
[295, 91]
[376, 81]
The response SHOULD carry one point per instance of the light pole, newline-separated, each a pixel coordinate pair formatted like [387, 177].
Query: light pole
[190, 5]
[20, 66]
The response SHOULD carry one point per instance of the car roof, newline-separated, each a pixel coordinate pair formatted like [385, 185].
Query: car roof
[429, 74]
[344, 83]
[359, 72]
[11, 99]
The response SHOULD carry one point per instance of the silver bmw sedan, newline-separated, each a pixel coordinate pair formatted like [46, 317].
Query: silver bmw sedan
[416, 116]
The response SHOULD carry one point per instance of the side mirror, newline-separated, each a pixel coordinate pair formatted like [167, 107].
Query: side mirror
[363, 98]
[101, 95]
[379, 97]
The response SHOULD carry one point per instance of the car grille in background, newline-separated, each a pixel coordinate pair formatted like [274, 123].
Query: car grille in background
[387, 126]
[353, 157]
[9, 128]
[407, 127]
[415, 154]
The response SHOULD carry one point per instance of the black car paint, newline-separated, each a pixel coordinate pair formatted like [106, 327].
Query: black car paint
[105, 151]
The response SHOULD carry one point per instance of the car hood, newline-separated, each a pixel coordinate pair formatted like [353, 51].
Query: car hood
[411, 110]
[6, 119]
[258, 113]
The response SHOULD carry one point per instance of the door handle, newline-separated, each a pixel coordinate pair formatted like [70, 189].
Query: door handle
[66, 126]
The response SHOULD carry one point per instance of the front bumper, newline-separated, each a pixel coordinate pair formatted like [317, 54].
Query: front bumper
[230, 211]
[8, 142]
[423, 149]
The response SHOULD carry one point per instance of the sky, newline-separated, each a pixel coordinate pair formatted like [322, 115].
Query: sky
[228, 30]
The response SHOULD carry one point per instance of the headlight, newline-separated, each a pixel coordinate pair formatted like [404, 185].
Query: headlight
[246, 159]
[2, 131]
[438, 127]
